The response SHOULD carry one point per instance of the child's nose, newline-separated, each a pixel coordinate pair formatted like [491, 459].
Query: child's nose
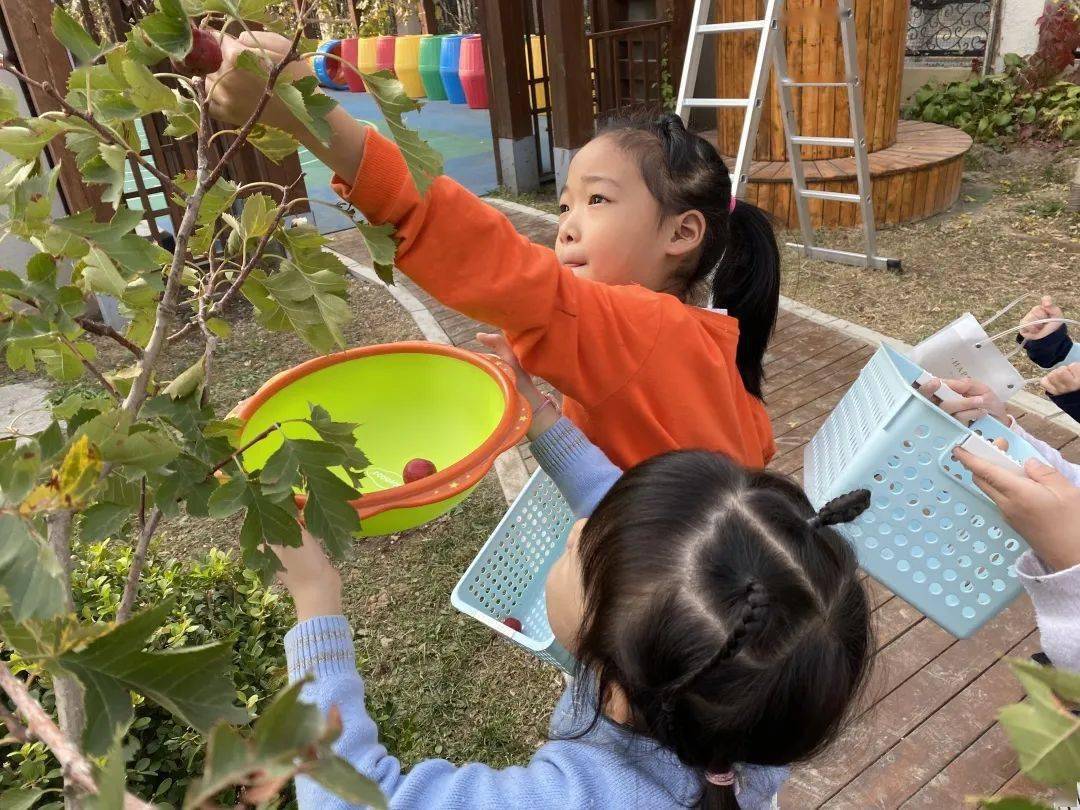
[568, 230]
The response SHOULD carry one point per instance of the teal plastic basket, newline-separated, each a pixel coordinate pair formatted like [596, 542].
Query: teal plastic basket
[507, 577]
[930, 535]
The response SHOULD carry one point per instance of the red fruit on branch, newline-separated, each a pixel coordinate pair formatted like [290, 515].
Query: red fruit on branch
[416, 469]
[512, 623]
[205, 54]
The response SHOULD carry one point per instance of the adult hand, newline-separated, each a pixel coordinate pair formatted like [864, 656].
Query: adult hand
[310, 578]
[1046, 309]
[1062, 380]
[1042, 505]
[976, 400]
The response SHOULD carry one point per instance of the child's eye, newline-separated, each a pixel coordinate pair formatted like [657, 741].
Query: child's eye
[563, 208]
[596, 199]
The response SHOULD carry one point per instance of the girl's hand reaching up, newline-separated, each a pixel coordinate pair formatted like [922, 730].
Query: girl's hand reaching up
[235, 93]
[1046, 309]
[543, 417]
[1062, 380]
[975, 402]
[1043, 506]
[310, 578]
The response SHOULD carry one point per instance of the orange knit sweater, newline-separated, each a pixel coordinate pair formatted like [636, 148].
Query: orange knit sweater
[641, 372]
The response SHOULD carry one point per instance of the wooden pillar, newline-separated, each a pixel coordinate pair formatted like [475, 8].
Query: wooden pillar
[681, 12]
[503, 27]
[428, 22]
[568, 81]
[40, 56]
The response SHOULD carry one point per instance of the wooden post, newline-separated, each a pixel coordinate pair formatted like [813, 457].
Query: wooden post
[503, 26]
[681, 11]
[428, 22]
[568, 81]
[40, 56]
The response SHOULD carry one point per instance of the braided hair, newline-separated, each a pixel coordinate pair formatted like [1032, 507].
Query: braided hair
[726, 613]
[738, 260]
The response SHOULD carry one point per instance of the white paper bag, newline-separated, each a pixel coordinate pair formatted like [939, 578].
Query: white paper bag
[963, 349]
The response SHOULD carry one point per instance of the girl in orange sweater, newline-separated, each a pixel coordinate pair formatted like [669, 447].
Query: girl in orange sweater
[648, 226]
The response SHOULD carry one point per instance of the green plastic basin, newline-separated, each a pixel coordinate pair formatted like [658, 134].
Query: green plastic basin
[456, 408]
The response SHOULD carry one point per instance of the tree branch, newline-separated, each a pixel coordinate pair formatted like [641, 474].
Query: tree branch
[104, 330]
[14, 727]
[138, 561]
[166, 181]
[249, 266]
[76, 768]
[166, 308]
[253, 119]
[236, 453]
[90, 367]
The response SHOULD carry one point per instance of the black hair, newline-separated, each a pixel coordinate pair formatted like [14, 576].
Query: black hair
[738, 255]
[724, 609]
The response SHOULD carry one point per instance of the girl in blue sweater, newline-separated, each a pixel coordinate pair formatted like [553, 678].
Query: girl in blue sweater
[720, 627]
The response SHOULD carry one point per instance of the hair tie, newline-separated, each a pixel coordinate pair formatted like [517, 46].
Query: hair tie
[725, 779]
[731, 204]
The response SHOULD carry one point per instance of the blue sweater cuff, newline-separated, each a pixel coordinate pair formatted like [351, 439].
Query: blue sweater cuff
[320, 646]
[578, 467]
[1047, 352]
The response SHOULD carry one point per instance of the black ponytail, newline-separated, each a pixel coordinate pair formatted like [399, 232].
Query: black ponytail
[738, 256]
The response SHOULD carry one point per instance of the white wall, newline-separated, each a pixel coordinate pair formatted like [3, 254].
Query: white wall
[13, 251]
[1018, 33]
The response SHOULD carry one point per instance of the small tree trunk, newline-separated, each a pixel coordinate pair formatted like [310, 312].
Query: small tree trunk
[70, 708]
[1074, 190]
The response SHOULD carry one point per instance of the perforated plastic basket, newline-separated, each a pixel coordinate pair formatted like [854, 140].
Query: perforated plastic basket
[506, 579]
[931, 536]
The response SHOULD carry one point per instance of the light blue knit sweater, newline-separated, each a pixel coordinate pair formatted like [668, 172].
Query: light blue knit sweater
[607, 767]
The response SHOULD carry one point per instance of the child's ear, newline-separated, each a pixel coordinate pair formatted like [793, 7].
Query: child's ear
[687, 232]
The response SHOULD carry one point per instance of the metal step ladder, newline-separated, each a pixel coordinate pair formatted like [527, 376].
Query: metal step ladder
[772, 53]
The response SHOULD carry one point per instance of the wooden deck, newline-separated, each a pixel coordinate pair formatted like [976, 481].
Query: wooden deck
[925, 736]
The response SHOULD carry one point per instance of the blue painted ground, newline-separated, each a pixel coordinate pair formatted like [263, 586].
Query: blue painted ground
[462, 135]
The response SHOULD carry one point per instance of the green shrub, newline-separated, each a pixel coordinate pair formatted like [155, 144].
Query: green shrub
[216, 598]
[992, 108]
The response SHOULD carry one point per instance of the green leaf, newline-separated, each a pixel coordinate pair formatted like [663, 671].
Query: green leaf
[73, 36]
[20, 798]
[229, 498]
[29, 572]
[1043, 730]
[257, 216]
[425, 164]
[379, 241]
[10, 106]
[103, 520]
[169, 28]
[344, 781]
[183, 120]
[111, 780]
[276, 144]
[310, 106]
[141, 49]
[189, 380]
[1071, 132]
[290, 737]
[100, 274]
[192, 683]
[149, 94]
[215, 201]
[26, 142]
[219, 327]
[313, 305]
[146, 450]
[20, 466]
[250, 62]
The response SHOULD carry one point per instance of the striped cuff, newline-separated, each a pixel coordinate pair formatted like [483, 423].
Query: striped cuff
[560, 447]
[320, 646]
